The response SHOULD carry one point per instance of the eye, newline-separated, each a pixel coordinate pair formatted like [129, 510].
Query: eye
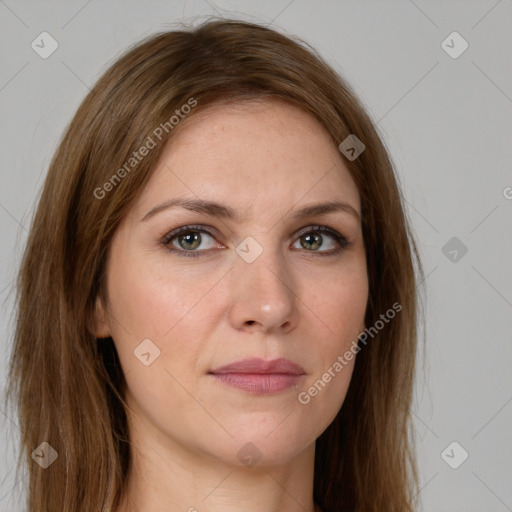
[313, 238]
[185, 240]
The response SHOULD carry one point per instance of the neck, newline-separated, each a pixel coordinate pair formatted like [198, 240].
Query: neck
[166, 476]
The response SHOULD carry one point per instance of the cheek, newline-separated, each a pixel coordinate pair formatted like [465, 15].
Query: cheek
[344, 305]
[339, 302]
[339, 309]
[166, 305]
[152, 300]
[173, 310]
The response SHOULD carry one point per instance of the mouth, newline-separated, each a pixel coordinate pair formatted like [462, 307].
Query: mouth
[258, 376]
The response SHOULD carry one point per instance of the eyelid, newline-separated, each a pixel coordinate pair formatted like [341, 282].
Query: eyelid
[191, 227]
[317, 227]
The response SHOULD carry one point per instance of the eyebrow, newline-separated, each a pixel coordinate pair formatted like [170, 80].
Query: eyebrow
[215, 209]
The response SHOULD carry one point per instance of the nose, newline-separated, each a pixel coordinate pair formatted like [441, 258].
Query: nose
[263, 296]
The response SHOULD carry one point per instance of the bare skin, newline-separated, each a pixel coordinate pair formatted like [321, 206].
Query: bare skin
[189, 430]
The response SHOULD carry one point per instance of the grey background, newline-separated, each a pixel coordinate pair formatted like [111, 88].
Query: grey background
[447, 123]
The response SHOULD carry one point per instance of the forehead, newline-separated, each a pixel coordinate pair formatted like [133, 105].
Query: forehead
[263, 151]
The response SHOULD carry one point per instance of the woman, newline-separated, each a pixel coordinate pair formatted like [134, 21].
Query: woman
[217, 301]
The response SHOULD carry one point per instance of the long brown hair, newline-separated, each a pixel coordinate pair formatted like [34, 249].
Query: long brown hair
[68, 389]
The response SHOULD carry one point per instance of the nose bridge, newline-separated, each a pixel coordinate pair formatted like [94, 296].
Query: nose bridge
[264, 291]
[262, 264]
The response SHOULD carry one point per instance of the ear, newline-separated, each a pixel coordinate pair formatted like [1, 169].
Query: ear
[99, 325]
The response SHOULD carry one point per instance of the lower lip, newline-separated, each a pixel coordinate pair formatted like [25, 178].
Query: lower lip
[259, 383]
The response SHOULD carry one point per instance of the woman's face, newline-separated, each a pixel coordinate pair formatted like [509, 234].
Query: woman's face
[250, 280]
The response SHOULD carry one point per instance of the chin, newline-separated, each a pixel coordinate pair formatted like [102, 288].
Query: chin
[260, 447]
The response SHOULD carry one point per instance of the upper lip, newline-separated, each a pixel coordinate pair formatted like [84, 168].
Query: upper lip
[260, 366]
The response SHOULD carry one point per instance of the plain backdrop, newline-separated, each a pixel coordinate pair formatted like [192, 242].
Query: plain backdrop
[445, 117]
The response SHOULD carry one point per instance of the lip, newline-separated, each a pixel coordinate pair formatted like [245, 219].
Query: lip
[262, 367]
[259, 376]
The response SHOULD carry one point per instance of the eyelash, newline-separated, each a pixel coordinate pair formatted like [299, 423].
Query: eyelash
[343, 243]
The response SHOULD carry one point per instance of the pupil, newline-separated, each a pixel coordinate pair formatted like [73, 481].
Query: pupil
[191, 239]
[316, 242]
